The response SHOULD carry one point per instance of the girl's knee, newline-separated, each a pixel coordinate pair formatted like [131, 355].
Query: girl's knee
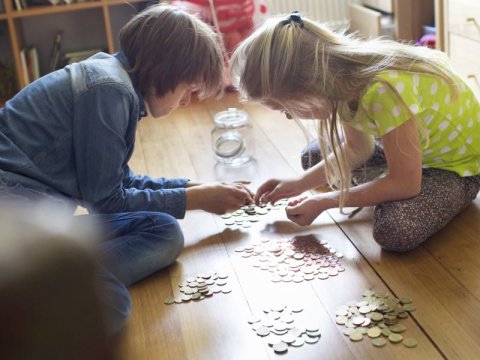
[395, 238]
[394, 245]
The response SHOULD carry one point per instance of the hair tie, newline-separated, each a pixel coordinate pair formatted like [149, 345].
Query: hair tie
[294, 17]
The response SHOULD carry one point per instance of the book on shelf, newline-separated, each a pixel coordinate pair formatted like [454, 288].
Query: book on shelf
[71, 57]
[30, 65]
[32, 59]
[55, 53]
[18, 5]
[23, 61]
[77, 56]
[23, 4]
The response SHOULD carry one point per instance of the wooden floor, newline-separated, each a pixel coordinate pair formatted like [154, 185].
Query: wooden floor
[442, 276]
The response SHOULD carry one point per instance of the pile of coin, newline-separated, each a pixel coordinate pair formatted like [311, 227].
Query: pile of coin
[376, 316]
[298, 259]
[249, 214]
[199, 287]
[281, 330]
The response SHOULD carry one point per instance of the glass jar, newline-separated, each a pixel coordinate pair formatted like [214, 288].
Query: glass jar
[231, 138]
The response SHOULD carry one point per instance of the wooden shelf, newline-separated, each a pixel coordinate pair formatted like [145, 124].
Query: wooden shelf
[53, 9]
[14, 19]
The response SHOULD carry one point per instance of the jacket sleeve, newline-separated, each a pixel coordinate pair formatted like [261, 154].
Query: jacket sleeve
[136, 181]
[104, 127]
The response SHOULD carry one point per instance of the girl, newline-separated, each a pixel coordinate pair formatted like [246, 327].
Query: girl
[408, 97]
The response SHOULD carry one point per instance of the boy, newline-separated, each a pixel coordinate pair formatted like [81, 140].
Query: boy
[69, 136]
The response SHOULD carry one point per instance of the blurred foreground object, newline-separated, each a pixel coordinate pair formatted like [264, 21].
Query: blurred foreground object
[49, 307]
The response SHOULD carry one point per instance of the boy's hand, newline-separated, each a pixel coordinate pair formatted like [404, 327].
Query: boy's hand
[219, 197]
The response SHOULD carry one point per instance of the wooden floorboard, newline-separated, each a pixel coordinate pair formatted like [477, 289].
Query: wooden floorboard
[446, 309]
[457, 248]
[441, 276]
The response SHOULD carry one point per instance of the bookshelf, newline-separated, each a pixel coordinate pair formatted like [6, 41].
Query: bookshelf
[85, 25]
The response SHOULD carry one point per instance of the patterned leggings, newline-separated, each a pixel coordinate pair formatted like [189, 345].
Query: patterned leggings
[404, 224]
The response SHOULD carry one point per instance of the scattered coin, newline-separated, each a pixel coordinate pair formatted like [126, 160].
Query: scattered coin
[289, 338]
[280, 327]
[377, 315]
[199, 287]
[374, 332]
[299, 342]
[280, 348]
[398, 328]
[263, 331]
[410, 343]
[379, 342]
[311, 340]
[169, 301]
[302, 258]
[226, 289]
[249, 214]
[386, 332]
[356, 336]
[395, 338]
[296, 308]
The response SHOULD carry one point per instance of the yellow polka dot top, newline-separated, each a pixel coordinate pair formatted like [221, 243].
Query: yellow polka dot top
[453, 126]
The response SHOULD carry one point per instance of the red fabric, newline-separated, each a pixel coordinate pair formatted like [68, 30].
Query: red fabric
[235, 17]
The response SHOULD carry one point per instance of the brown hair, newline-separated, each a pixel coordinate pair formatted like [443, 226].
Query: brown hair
[166, 46]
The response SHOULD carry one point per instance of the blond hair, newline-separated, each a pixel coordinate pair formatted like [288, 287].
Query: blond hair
[166, 46]
[302, 63]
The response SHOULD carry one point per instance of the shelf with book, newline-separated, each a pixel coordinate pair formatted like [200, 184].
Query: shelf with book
[32, 32]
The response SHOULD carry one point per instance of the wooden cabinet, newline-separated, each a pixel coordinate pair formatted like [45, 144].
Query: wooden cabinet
[382, 5]
[85, 25]
[462, 38]
[397, 19]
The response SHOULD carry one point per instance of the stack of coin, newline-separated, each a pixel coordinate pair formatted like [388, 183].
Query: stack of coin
[199, 287]
[301, 258]
[281, 330]
[250, 214]
[376, 316]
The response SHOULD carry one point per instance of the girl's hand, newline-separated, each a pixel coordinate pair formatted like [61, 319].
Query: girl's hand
[273, 190]
[304, 210]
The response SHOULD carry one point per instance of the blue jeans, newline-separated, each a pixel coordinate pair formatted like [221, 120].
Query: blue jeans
[133, 246]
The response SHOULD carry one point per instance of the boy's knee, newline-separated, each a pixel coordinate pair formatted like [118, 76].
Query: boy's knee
[116, 301]
[169, 237]
[118, 312]
[176, 241]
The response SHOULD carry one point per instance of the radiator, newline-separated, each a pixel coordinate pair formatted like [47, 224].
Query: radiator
[334, 12]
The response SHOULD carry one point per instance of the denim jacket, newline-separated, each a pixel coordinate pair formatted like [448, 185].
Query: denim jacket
[72, 132]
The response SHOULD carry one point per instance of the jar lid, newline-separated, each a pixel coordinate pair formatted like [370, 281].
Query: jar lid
[231, 118]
